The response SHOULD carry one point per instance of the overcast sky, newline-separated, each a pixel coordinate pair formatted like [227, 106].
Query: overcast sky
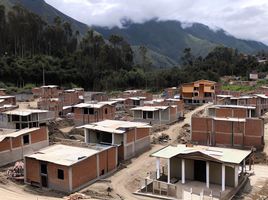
[246, 19]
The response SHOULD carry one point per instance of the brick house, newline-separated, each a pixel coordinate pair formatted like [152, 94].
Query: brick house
[131, 138]
[25, 118]
[228, 126]
[198, 92]
[68, 168]
[93, 112]
[260, 101]
[14, 144]
[156, 114]
[197, 172]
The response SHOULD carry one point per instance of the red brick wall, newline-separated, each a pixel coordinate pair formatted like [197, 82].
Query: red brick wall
[5, 144]
[142, 132]
[16, 142]
[39, 135]
[223, 112]
[32, 170]
[130, 135]
[84, 171]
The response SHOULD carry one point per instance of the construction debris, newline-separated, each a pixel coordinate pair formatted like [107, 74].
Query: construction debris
[184, 136]
[16, 172]
[77, 196]
[163, 138]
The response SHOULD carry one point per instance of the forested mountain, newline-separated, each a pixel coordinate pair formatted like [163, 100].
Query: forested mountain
[170, 38]
[46, 12]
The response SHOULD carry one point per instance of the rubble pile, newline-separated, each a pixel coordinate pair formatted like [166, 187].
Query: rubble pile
[16, 172]
[163, 138]
[184, 136]
[76, 196]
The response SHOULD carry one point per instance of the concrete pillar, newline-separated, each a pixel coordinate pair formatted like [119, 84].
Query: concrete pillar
[244, 166]
[236, 176]
[182, 171]
[207, 173]
[86, 136]
[113, 138]
[98, 165]
[168, 178]
[157, 168]
[70, 179]
[250, 113]
[223, 177]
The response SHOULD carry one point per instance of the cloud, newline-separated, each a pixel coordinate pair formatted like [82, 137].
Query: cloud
[242, 18]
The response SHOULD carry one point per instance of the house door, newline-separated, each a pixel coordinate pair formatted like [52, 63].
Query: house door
[44, 181]
[200, 170]
[43, 169]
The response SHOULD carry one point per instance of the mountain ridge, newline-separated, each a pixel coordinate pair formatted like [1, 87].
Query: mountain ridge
[170, 38]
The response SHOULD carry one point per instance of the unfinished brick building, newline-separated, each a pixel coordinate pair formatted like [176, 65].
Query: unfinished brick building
[131, 138]
[67, 168]
[25, 118]
[157, 114]
[85, 113]
[259, 101]
[14, 144]
[228, 126]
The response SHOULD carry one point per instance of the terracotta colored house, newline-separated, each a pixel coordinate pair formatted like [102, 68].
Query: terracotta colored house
[93, 112]
[229, 127]
[14, 144]
[198, 92]
[72, 96]
[197, 172]
[68, 168]
[156, 114]
[131, 138]
[25, 118]
[47, 91]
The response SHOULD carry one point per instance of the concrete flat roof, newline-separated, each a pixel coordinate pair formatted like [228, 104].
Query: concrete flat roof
[66, 155]
[24, 112]
[231, 119]
[89, 105]
[12, 133]
[150, 108]
[223, 155]
[137, 98]
[233, 106]
[115, 126]
[6, 97]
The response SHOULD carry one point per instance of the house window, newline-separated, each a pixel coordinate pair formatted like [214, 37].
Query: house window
[150, 114]
[60, 174]
[196, 94]
[136, 102]
[212, 87]
[106, 111]
[195, 88]
[26, 140]
[144, 115]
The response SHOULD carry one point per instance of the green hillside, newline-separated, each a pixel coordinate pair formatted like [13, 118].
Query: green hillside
[170, 39]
